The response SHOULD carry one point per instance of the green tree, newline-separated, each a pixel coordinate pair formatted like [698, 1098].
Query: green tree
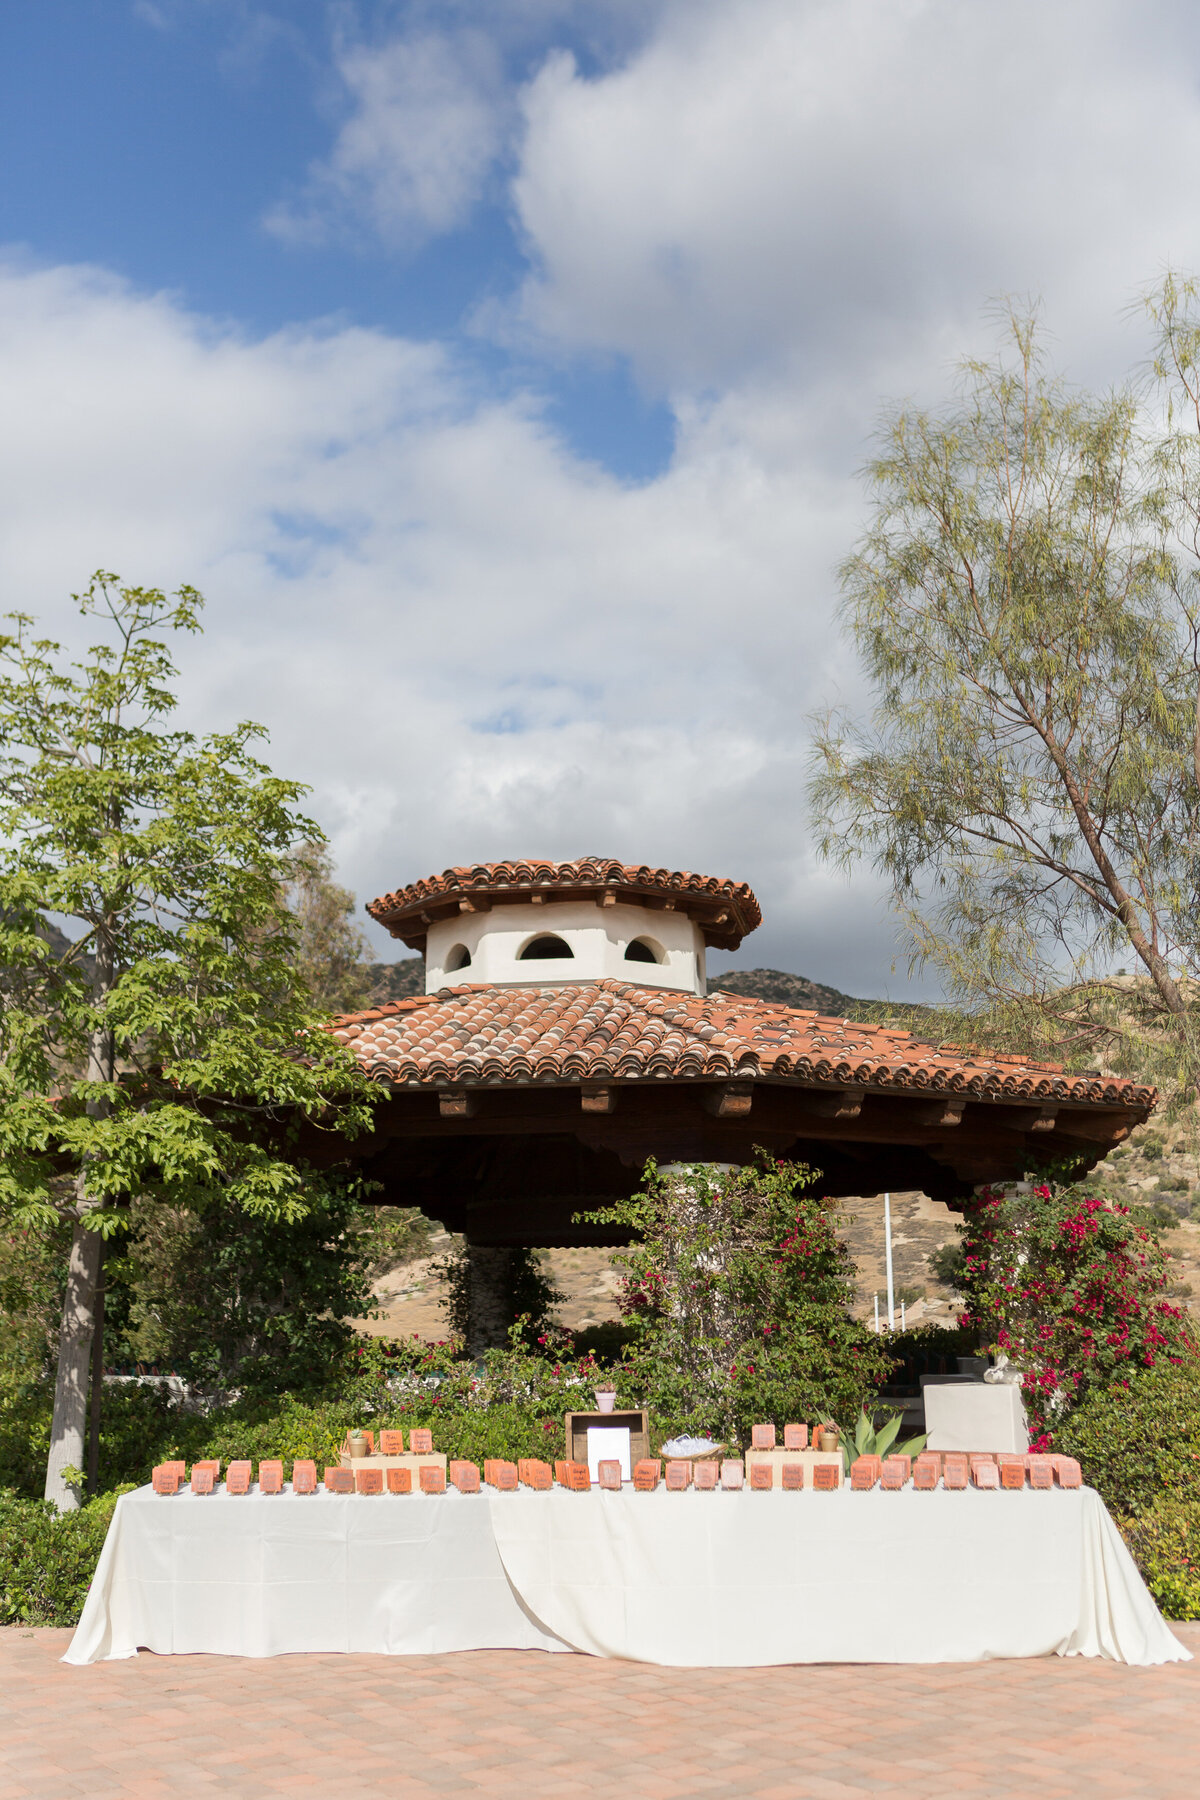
[737, 1295]
[171, 1051]
[331, 953]
[1026, 606]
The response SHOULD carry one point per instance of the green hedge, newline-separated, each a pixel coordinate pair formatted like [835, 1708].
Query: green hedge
[47, 1562]
[1165, 1542]
[1138, 1441]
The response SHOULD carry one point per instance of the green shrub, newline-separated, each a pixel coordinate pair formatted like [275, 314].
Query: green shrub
[1165, 1542]
[47, 1561]
[1138, 1440]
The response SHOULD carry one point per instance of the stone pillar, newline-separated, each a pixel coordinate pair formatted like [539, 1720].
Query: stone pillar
[489, 1296]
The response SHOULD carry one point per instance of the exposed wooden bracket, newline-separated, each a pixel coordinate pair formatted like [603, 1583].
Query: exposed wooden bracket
[608, 897]
[457, 1103]
[476, 904]
[732, 1100]
[846, 1103]
[942, 1112]
[537, 899]
[1028, 1118]
[669, 905]
[1102, 1127]
[595, 1097]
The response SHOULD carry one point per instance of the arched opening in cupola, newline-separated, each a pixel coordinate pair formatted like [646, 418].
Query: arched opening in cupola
[643, 951]
[547, 948]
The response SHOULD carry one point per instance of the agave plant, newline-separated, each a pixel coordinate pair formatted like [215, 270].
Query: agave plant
[867, 1441]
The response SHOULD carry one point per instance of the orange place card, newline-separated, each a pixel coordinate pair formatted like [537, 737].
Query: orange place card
[762, 1477]
[503, 1475]
[609, 1473]
[179, 1465]
[304, 1477]
[647, 1474]
[391, 1443]
[954, 1474]
[203, 1480]
[762, 1437]
[420, 1441]
[165, 1479]
[1041, 1472]
[578, 1479]
[795, 1437]
[560, 1472]
[926, 1476]
[894, 1473]
[827, 1477]
[679, 1476]
[270, 1477]
[706, 1476]
[733, 1473]
[433, 1479]
[399, 1481]
[864, 1473]
[1067, 1472]
[368, 1481]
[339, 1480]
[1012, 1475]
[465, 1477]
[985, 1475]
[535, 1473]
[792, 1475]
[237, 1478]
[210, 1462]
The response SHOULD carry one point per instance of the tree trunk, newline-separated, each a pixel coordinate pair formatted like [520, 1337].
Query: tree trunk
[94, 1409]
[68, 1430]
[489, 1296]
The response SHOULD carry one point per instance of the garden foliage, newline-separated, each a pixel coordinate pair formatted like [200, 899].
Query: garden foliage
[737, 1295]
[1070, 1287]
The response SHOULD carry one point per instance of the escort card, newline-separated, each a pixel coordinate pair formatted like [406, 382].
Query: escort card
[864, 1473]
[210, 1462]
[304, 1477]
[762, 1477]
[795, 1437]
[270, 1477]
[706, 1476]
[433, 1479]
[1067, 1472]
[368, 1481]
[560, 1472]
[954, 1472]
[793, 1476]
[678, 1476]
[237, 1478]
[647, 1474]
[420, 1440]
[465, 1477]
[203, 1479]
[827, 1477]
[894, 1473]
[609, 1473]
[1012, 1475]
[985, 1475]
[399, 1481]
[579, 1478]
[165, 1479]
[503, 1476]
[535, 1474]
[926, 1476]
[391, 1443]
[1041, 1472]
[762, 1437]
[339, 1480]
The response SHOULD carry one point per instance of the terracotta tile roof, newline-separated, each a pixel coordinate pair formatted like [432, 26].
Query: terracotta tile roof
[725, 910]
[612, 1030]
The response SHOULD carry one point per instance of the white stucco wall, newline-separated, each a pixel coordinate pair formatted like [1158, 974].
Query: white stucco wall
[597, 935]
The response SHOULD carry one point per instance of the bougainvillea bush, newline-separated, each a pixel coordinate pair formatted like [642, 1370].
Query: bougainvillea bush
[737, 1296]
[1070, 1287]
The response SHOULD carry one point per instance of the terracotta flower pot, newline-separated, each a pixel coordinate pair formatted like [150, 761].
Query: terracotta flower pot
[606, 1399]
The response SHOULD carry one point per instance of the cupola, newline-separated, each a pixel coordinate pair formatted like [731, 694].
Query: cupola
[535, 924]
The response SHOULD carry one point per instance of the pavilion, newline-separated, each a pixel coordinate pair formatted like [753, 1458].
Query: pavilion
[567, 1034]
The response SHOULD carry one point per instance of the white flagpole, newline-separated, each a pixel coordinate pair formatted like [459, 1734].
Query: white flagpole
[887, 1232]
[877, 1315]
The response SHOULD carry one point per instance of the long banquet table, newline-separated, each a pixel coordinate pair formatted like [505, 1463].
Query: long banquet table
[688, 1580]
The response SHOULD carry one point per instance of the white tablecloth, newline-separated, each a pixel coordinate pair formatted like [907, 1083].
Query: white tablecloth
[692, 1579]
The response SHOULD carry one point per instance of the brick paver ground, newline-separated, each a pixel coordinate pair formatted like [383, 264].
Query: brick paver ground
[510, 1722]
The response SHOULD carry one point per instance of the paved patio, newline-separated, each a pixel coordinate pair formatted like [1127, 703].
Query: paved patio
[508, 1722]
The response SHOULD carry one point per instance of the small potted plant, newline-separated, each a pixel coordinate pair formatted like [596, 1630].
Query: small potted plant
[358, 1443]
[606, 1396]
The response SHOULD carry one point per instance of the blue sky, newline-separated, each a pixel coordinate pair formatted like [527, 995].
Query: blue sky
[501, 372]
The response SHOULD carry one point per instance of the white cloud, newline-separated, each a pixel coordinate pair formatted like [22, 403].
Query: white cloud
[822, 186]
[427, 118]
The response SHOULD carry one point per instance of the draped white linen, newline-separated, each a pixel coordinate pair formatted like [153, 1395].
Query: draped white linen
[688, 1580]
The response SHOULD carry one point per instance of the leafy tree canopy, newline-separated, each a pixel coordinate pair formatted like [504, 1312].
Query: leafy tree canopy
[1027, 606]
